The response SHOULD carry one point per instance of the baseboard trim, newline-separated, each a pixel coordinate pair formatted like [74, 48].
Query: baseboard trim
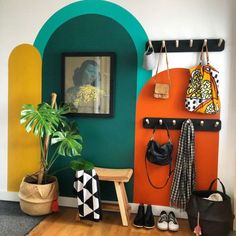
[72, 202]
[9, 196]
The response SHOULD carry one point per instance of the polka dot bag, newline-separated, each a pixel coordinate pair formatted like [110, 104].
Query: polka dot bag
[202, 93]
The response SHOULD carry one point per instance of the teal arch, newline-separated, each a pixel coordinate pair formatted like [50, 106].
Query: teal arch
[117, 132]
[104, 8]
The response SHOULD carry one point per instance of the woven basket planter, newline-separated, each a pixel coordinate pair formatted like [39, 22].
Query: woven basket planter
[36, 199]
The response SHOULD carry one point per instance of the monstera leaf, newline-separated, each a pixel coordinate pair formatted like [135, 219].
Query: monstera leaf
[69, 142]
[44, 119]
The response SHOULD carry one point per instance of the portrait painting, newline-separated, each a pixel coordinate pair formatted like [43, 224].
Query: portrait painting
[88, 83]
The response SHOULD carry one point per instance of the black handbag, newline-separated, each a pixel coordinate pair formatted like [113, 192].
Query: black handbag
[159, 154]
[215, 217]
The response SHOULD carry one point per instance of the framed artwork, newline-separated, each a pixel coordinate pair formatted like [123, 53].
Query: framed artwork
[88, 83]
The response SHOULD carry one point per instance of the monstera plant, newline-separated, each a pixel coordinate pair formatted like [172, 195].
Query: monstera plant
[58, 137]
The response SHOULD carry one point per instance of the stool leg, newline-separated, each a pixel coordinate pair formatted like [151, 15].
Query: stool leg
[77, 217]
[127, 206]
[122, 202]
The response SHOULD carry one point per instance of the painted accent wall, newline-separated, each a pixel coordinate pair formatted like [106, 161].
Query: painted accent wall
[25, 86]
[107, 142]
[20, 23]
[206, 143]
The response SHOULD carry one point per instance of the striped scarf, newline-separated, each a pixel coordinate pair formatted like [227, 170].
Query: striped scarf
[184, 175]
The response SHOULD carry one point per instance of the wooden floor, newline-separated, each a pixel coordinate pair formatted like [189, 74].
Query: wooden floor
[64, 224]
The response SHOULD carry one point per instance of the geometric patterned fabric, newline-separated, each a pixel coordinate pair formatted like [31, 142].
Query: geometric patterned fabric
[88, 195]
[202, 93]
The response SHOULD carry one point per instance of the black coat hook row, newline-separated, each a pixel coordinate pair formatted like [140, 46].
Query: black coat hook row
[176, 123]
[187, 45]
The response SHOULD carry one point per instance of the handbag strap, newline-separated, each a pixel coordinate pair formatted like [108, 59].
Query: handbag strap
[222, 185]
[167, 64]
[202, 52]
[149, 178]
[213, 82]
[170, 171]
[167, 130]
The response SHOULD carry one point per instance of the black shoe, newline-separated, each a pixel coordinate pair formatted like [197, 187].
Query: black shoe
[149, 222]
[139, 218]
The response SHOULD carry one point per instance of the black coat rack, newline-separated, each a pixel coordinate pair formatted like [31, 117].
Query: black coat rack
[188, 45]
[176, 123]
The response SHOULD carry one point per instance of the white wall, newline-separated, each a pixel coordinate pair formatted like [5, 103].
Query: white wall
[232, 103]
[183, 19]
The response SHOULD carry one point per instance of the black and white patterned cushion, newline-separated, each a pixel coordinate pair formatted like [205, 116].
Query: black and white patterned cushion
[88, 195]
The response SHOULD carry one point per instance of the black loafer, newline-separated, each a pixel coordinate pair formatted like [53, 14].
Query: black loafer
[149, 222]
[139, 218]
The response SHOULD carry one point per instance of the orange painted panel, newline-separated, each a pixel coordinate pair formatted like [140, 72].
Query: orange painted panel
[206, 143]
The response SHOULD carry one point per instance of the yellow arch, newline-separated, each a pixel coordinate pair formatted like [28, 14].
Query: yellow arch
[24, 86]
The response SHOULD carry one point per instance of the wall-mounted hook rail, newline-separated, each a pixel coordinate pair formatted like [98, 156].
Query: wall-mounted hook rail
[188, 45]
[175, 123]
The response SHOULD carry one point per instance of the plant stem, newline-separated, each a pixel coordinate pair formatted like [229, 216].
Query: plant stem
[53, 159]
[43, 162]
[45, 146]
[64, 168]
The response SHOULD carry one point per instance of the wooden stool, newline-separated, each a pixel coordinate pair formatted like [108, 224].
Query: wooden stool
[119, 177]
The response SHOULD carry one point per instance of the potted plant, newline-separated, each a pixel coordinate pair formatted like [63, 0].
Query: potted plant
[38, 192]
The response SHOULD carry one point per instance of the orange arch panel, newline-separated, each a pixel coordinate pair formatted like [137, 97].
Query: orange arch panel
[206, 143]
[24, 86]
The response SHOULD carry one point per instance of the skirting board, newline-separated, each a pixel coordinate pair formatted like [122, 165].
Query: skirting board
[72, 202]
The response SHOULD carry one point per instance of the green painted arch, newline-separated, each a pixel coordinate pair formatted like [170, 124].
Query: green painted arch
[104, 8]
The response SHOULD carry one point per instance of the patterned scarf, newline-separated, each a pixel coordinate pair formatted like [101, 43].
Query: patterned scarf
[184, 175]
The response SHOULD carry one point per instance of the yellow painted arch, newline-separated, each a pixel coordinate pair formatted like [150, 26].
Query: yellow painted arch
[24, 86]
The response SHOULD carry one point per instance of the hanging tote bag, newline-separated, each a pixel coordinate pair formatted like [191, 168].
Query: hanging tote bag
[214, 210]
[159, 154]
[202, 93]
[162, 90]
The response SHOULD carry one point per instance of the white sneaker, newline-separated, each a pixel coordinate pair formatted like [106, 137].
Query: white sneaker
[173, 223]
[162, 223]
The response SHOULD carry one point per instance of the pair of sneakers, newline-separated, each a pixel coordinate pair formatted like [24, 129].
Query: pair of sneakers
[167, 222]
[144, 219]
